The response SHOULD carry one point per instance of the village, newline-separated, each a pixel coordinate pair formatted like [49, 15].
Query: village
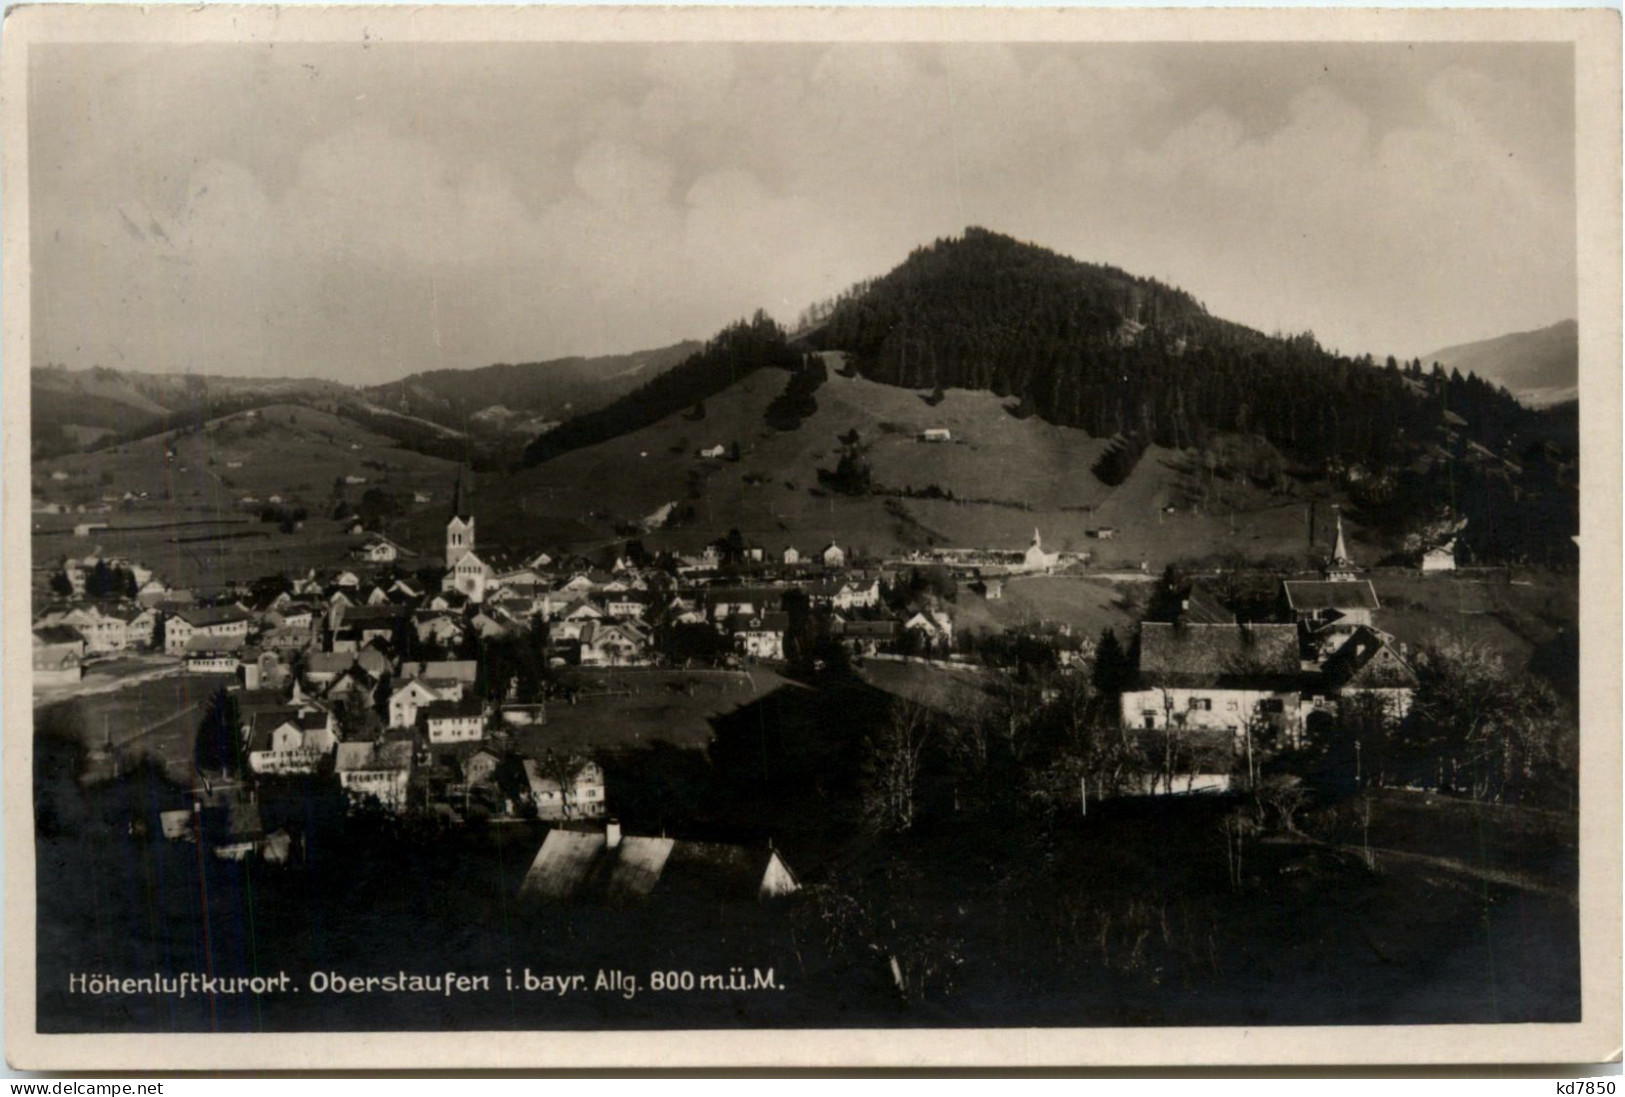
[426, 686]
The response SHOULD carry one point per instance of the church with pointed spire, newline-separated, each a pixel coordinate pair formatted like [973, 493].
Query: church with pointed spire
[459, 526]
[466, 573]
[1340, 568]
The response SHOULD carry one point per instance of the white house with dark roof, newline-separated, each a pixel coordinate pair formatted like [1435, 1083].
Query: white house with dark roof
[582, 795]
[287, 741]
[375, 773]
[453, 721]
[1216, 678]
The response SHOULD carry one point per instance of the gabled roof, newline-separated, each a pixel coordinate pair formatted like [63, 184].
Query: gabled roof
[463, 670]
[582, 867]
[452, 710]
[1309, 595]
[562, 865]
[1219, 655]
[759, 622]
[58, 634]
[1368, 660]
[205, 616]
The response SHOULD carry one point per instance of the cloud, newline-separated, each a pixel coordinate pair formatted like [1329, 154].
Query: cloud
[222, 208]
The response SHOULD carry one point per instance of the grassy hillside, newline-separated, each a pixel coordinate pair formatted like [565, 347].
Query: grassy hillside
[201, 478]
[1006, 475]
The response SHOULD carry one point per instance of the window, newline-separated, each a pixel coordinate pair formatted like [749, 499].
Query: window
[1230, 706]
[1271, 704]
[1201, 704]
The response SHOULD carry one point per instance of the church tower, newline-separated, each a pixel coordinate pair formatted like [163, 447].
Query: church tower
[460, 527]
[1340, 568]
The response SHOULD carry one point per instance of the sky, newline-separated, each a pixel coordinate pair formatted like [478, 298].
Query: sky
[361, 213]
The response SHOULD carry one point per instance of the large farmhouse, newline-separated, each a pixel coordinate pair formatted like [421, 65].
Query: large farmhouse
[1216, 677]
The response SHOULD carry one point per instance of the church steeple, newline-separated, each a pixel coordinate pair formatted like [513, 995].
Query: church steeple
[1340, 568]
[460, 525]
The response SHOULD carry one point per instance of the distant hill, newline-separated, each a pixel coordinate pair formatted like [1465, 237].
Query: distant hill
[486, 413]
[1539, 367]
[72, 409]
[527, 397]
[1134, 366]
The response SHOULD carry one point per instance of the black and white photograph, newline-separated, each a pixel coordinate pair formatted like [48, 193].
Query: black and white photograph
[649, 529]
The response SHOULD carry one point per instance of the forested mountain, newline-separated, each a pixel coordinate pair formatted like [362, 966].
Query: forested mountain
[736, 352]
[1093, 347]
[1540, 367]
[1129, 358]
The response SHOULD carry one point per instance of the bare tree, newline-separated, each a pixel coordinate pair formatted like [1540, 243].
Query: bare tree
[891, 768]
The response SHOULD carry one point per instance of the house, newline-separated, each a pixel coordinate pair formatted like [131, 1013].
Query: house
[492, 623]
[709, 452]
[1315, 603]
[581, 795]
[857, 595]
[104, 630]
[288, 639]
[152, 592]
[59, 655]
[760, 636]
[626, 604]
[1369, 665]
[218, 623]
[612, 643]
[611, 870]
[454, 721]
[438, 627]
[375, 773]
[324, 667]
[408, 699]
[380, 550]
[214, 655]
[1219, 678]
[480, 767]
[1442, 558]
[288, 741]
[936, 434]
[790, 556]
[262, 668]
[865, 637]
[933, 626]
[442, 671]
[833, 556]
